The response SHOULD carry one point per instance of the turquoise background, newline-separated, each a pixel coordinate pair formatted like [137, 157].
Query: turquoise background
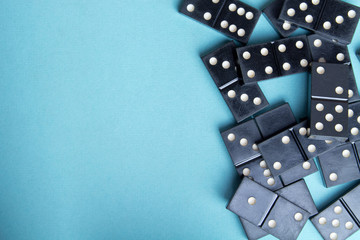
[110, 123]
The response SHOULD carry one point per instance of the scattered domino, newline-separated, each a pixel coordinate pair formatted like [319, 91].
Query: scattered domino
[333, 19]
[268, 210]
[274, 59]
[281, 152]
[297, 193]
[241, 141]
[242, 100]
[329, 101]
[233, 18]
[285, 157]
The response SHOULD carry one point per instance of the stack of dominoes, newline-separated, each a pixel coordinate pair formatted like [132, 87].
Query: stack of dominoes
[271, 151]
